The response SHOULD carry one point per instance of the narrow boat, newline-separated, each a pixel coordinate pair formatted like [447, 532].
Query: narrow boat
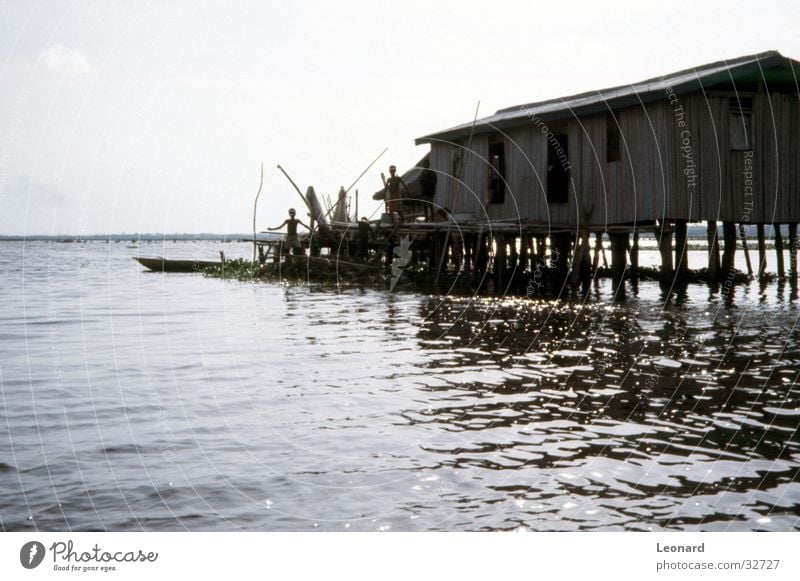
[160, 264]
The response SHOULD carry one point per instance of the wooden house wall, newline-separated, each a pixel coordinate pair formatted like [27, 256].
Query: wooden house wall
[461, 186]
[649, 182]
[776, 157]
[636, 185]
[773, 163]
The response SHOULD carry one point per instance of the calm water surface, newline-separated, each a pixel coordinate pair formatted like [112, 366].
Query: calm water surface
[141, 401]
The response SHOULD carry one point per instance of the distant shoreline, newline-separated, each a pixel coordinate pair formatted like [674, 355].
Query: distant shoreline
[204, 237]
[695, 232]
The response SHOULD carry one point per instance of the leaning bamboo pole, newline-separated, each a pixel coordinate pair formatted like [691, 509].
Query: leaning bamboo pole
[291, 181]
[453, 196]
[743, 236]
[255, 209]
[762, 251]
[443, 256]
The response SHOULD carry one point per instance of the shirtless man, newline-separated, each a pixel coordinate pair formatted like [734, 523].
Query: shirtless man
[393, 190]
[291, 241]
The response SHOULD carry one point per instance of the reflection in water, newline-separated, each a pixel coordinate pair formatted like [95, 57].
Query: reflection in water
[136, 401]
[634, 416]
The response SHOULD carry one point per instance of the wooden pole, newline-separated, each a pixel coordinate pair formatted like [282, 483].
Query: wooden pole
[713, 250]
[479, 253]
[743, 236]
[299, 193]
[433, 258]
[500, 259]
[619, 248]
[681, 248]
[665, 247]
[560, 256]
[459, 169]
[598, 246]
[374, 161]
[443, 255]
[634, 253]
[540, 268]
[779, 249]
[513, 258]
[762, 251]
[523, 252]
[793, 250]
[531, 252]
[729, 249]
[255, 209]
[468, 241]
[541, 250]
[459, 250]
[580, 258]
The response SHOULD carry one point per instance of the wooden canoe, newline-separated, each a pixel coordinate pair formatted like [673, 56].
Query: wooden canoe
[163, 265]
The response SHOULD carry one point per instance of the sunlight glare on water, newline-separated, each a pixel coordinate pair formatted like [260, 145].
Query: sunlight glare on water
[141, 401]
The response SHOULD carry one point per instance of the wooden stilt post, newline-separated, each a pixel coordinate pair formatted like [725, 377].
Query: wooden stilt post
[581, 270]
[513, 258]
[793, 250]
[713, 251]
[482, 253]
[681, 248]
[433, 258]
[560, 257]
[729, 247]
[539, 269]
[523, 253]
[619, 249]
[476, 241]
[664, 235]
[779, 249]
[443, 257]
[635, 255]
[729, 250]
[531, 253]
[743, 236]
[541, 250]
[467, 240]
[598, 247]
[500, 259]
[457, 244]
[762, 251]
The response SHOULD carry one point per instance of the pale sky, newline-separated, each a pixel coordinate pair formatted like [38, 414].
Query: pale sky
[142, 116]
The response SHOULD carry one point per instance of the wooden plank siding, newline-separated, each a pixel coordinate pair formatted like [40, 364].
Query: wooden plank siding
[649, 182]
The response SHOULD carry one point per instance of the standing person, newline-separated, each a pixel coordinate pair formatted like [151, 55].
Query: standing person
[291, 241]
[364, 235]
[393, 190]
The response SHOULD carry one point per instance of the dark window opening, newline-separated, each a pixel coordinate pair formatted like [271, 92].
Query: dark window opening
[740, 123]
[497, 171]
[557, 169]
[612, 138]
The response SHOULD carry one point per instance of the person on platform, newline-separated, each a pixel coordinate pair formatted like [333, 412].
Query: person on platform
[364, 236]
[291, 241]
[393, 184]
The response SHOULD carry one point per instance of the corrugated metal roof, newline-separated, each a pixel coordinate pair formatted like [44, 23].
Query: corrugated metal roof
[681, 82]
